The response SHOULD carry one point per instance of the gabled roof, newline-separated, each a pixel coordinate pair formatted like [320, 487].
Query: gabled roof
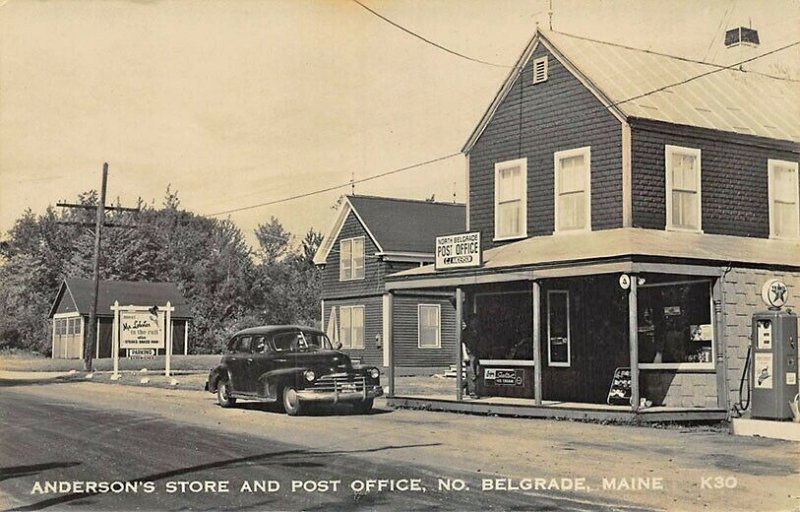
[398, 227]
[137, 293]
[633, 83]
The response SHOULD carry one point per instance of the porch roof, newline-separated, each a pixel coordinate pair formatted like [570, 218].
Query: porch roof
[540, 252]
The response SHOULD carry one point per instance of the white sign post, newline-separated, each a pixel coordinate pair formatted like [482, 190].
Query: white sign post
[115, 340]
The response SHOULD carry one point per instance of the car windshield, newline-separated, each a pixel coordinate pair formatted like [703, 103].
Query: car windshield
[298, 340]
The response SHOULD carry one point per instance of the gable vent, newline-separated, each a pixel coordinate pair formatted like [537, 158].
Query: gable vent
[540, 70]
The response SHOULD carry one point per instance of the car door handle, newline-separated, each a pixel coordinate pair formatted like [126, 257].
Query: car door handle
[281, 360]
[249, 359]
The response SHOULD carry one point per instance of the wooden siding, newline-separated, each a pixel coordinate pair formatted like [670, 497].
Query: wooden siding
[405, 333]
[533, 122]
[733, 172]
[371, 354]
[375, 270]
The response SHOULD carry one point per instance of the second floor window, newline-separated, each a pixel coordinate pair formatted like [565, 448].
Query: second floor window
[510, 199]
[683, 188]
[573, 207]
[784, 205]
[351, 259]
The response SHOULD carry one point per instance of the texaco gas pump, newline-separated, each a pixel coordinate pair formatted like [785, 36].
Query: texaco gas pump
[773, 378]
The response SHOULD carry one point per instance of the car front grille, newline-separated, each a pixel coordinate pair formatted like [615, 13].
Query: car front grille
[340, 382]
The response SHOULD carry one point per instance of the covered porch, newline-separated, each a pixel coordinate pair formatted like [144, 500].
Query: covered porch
[617, 325]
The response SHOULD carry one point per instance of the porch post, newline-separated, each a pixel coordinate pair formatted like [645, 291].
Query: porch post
[186, 337]
[633, 336]
[718, 341]
[389, 303]
[537, 344]
[459, 356]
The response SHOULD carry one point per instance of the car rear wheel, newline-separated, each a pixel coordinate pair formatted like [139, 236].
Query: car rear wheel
[224, 398]
[291, 402]
[363, 407]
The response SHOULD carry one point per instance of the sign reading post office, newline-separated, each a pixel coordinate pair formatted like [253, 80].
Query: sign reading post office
[141, 329]
[458, 251]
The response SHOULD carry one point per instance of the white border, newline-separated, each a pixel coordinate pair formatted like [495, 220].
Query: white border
[669, 151]
[438, 330]
[569, 331]
[523, 164]
[771, 164]
[586, 151]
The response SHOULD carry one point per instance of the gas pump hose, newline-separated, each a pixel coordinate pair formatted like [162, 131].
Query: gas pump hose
[743, 404]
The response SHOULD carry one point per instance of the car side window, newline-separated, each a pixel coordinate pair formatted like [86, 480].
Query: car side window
[285, 341]
[243, 344]
[260, 345]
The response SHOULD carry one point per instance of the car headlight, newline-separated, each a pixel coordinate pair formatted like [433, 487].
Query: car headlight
[374, 373]
[310, 375]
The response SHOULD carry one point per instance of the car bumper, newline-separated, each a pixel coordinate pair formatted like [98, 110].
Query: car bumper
[339, 395]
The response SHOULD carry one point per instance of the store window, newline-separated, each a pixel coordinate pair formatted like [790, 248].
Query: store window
[510, 199]
[676, 325]
[429, 333]
[505, 324]
[558, 329]
[351, 327]
[351, 259]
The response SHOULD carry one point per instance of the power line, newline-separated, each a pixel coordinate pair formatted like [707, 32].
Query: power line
[437, 45]
[686, 59]
[701, 75]
[334, 187]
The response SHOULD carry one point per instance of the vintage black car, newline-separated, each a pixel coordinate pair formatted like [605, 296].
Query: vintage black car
[293, 366]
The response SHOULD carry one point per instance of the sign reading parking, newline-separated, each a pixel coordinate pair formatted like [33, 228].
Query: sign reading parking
[458, 251]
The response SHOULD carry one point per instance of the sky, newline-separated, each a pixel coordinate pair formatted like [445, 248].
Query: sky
[238, 103]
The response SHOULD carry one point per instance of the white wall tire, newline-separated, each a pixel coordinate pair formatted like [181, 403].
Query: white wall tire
[291, 402]
[224, 398]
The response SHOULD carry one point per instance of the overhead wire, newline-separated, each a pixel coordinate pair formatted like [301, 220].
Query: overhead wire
[432, 43]
[335, 187]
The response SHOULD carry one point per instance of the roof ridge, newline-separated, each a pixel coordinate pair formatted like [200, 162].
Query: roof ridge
[401, 199]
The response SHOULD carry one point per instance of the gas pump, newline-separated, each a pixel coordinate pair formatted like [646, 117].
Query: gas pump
[773, 374]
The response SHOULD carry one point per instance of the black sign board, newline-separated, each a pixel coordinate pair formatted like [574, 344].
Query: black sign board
[620, 391]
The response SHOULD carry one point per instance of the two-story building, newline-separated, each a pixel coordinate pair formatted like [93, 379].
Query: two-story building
[370, 238]
[631, 205]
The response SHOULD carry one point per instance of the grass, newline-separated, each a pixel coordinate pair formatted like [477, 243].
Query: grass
[44, 364]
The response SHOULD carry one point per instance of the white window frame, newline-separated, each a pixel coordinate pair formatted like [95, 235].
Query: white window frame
[669, 152]
[522, 163]
[438, 308]
[540, 63]
[771, 169]
[550, 361]
[349, 339]
[350, 274]
[558, 156]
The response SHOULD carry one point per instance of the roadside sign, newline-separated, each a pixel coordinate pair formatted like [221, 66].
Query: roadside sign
[141, 329]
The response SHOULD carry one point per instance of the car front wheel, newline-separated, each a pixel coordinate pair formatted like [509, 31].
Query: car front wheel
[224, 398]
[291, 402]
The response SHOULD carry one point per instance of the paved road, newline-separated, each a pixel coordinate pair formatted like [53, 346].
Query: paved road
[159, 449]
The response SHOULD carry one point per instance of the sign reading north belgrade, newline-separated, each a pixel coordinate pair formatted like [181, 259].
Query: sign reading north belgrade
[141, 329]
[458, 251]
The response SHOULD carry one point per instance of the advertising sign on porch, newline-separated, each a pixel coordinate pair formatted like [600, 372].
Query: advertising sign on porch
[458, 251]
[503, 376]
[141, 329]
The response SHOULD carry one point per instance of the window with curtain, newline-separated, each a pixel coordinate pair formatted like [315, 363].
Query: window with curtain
[683, 188]
[351, 327]
[351, 259]
[572, 189]
[429, 335]
[784, 206]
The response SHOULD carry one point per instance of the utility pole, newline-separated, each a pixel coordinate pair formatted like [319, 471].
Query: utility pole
[91, 340]
[100, 209]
